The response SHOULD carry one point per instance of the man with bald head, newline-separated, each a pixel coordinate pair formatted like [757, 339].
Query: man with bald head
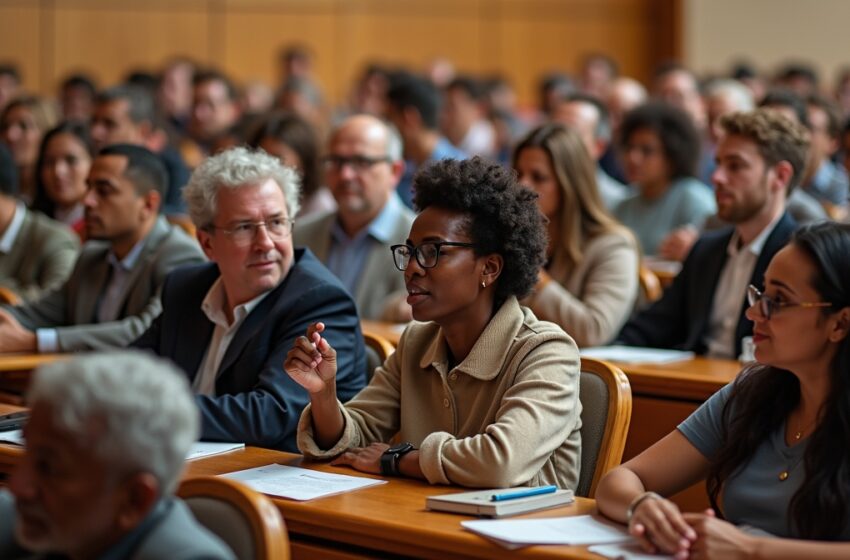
[589, 118]
[363, 166]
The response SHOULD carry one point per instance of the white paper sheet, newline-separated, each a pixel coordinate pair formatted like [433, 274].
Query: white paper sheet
[206, 448]
[630, 551]
[299, 484]
[575, 530]
[12, 436]
[636, 355]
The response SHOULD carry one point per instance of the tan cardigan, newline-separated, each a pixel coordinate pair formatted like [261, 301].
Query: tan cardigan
[508, 415]
[594, 300]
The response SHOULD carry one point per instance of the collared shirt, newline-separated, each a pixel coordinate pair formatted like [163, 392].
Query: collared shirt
[829, 183]
[11, 233]
[731, 291]
[347, 255]
[125, 547]
[442, 150]
[109, 304]
[213, 307]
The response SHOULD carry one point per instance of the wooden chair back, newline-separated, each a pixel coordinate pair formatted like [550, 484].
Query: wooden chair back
[606, 400]
[8, 296]
[378, 349]
[247, 521]
[650, 285]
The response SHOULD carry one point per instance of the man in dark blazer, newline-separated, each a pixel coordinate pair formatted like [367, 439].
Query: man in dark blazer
[228, 325]
[118, 427]
[112, 294]
[759, 160]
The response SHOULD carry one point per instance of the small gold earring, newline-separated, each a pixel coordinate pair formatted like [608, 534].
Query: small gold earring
[483, 284]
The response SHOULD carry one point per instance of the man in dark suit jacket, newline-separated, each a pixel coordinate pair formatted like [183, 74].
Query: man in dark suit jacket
[112, 295]
[760, 158]
[229, 325]
[118, 427]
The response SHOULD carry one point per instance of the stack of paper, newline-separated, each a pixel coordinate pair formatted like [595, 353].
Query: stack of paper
[636, 354]
[299, 484]
[206, 448]
[574, 530]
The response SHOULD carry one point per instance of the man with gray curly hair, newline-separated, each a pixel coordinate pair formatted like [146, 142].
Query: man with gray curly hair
[228, 324]
[105, 445]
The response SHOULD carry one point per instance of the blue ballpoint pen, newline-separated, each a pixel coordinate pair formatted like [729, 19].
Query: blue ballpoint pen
[524, 493]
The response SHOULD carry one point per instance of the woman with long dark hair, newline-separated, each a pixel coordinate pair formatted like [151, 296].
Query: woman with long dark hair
[772, 445]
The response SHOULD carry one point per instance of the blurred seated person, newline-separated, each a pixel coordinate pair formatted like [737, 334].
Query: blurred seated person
[590, 281]
[76, 97]
[766, 443]
[295, 143]
[464, 118]
[481, 392]
[23, 123]
[589, 117]
[126, 114]
[363, 166]
[760, 158]
[825, 180]
[228, 324]
[36, 253]
[106, 442]
[660, 149]
[215, 110]
[413, 106]
[64, 161]
[112, 295]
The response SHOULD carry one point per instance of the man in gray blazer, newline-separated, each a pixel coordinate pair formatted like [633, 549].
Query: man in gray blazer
[363, 167]
[106, 441]
[112, 295]
[36, 253]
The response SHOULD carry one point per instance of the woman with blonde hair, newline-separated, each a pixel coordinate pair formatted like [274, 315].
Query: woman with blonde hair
[590, 281]
[22, 125]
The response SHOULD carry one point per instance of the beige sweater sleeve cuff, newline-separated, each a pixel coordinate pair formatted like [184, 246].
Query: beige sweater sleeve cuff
[307, 445]
[431, 457]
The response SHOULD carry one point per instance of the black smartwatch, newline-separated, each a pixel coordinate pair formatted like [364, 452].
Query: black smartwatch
[391, 457]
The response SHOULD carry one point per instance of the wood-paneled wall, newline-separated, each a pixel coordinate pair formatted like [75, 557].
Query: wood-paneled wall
[521, 39]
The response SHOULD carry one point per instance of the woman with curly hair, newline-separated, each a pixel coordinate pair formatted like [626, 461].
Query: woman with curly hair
[660, 151]
[590, 281]
[772, 445]
[480, 391]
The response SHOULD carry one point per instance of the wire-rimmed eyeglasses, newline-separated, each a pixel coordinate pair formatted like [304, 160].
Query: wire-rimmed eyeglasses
[767, 306]
[244, 233]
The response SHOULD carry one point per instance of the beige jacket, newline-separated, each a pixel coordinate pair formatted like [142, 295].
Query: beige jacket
[508, 415]
[594, 300]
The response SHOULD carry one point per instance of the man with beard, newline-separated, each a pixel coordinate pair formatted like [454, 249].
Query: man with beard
[760, 159]
[363, 167]
[112, 294]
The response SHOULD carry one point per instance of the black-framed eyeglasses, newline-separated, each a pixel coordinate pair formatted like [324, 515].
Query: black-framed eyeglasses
[768, 306]
[244, 233]
[358, 163]
[427, 254]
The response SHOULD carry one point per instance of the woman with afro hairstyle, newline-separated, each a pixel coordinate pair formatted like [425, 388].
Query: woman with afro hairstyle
[480, 391]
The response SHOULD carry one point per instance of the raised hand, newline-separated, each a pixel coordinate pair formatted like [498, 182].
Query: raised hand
[312, 361]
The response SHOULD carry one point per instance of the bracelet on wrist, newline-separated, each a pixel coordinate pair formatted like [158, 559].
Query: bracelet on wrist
[639, 499]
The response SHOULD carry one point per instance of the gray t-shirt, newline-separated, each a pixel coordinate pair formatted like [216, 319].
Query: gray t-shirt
[754, 496]
[686, 202]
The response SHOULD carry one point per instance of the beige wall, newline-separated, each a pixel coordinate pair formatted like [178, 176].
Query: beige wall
[767, 32]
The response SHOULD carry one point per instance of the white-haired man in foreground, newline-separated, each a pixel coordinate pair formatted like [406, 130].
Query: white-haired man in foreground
[105, 445]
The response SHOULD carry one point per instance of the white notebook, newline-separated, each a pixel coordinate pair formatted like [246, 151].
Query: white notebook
[479, 502]
[636, 354]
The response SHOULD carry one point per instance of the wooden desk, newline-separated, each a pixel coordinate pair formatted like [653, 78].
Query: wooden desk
[663, 396]
[380, 521]
[390, 331]
[15, 370]
[9, 453]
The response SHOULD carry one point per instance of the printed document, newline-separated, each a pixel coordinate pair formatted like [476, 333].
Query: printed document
[299, 484]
